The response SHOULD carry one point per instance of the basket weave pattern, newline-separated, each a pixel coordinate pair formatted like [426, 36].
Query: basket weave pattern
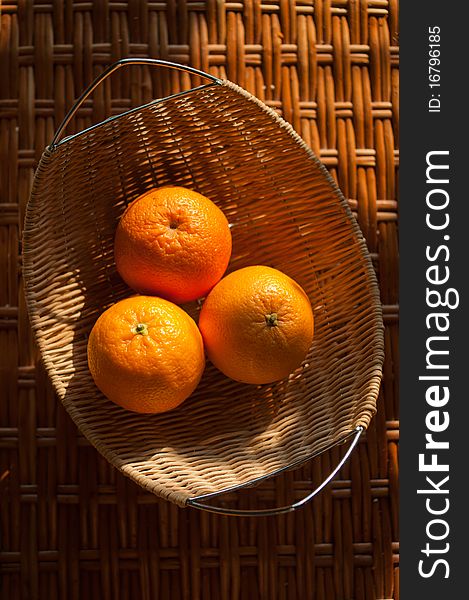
[283, 211]
[331, 73]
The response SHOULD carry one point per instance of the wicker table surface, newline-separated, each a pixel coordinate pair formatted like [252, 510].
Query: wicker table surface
[71, 526]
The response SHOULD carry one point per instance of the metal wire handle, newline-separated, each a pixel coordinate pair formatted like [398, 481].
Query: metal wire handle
[114, 67]
[282, 509]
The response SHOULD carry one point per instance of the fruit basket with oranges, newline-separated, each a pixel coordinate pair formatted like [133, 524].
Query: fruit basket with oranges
[201, 294]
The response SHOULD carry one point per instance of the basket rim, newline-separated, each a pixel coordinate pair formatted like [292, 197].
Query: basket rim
[376, 323]
[354, 435]
[52, 147]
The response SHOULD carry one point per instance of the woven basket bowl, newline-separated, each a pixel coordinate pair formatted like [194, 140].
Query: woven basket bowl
[285, 211]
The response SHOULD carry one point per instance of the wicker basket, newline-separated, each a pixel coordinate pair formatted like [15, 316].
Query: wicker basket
[285, 212]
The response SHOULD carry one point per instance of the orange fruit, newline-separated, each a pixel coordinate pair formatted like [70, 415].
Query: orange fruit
[257, 324]
[146, 354]
[172, 242]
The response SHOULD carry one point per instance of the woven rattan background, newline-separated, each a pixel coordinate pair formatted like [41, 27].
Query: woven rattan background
[71, 528]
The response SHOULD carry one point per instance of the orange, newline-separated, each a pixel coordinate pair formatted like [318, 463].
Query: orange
[257, 325]
[146, 354]
[172, 242]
